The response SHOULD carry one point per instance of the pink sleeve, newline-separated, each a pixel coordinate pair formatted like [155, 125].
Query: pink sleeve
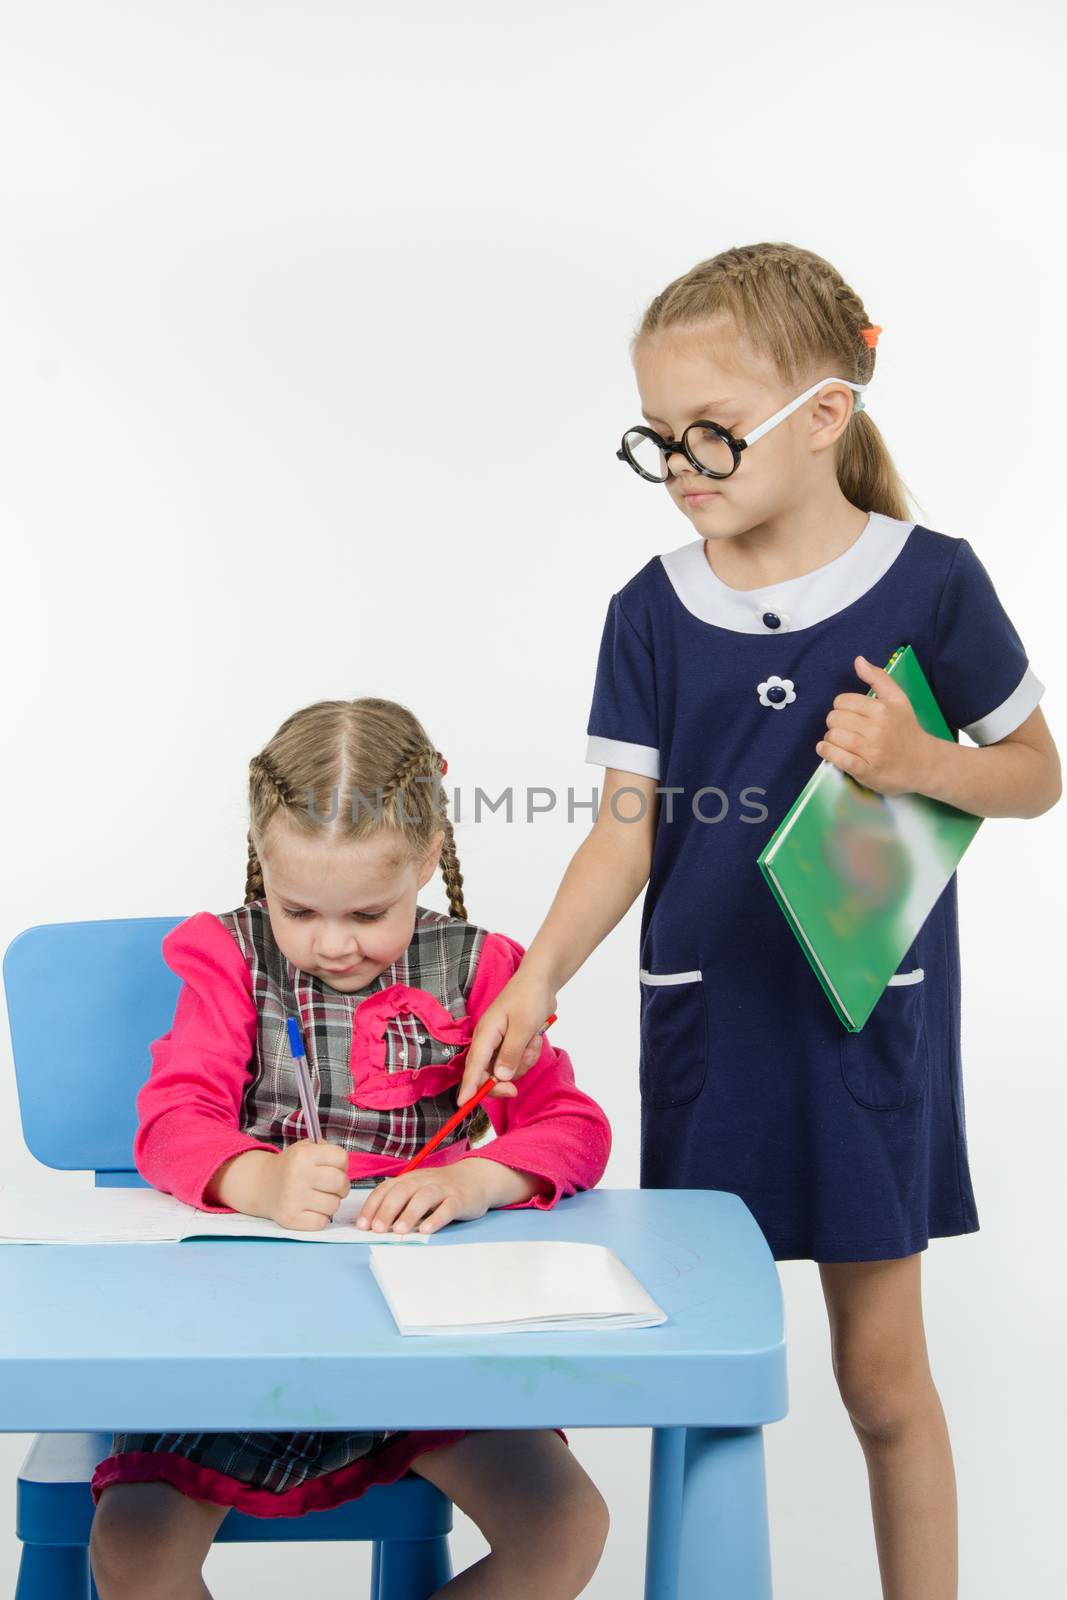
[189, 1110]
[550, 1129]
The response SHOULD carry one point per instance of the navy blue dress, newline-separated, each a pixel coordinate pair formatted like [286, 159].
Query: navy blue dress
[845, 1147]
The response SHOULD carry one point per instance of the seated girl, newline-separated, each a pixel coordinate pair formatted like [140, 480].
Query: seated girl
[348, 822]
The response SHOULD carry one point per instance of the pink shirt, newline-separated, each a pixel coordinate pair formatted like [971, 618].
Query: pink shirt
[191, 1107]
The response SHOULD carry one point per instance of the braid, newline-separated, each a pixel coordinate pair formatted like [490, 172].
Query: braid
[800, 303]
[263, 774]
[421, 763]
[478, 1124]
[413, 765]
[254, 875]
[845, 312]
[450, 869]
[262, 766]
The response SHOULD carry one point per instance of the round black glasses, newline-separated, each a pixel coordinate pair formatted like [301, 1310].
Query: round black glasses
[709, 448]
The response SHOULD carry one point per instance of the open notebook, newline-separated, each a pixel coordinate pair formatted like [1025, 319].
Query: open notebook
[146, 1216]
[532, 1286]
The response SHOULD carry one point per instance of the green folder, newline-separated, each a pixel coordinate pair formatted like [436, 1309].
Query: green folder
[857, 873]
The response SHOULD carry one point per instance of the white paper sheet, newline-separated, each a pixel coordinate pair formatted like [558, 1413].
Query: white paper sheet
[51, 1215]
[532, 1286]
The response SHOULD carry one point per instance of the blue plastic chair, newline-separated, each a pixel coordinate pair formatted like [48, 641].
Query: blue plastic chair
[85, 1000]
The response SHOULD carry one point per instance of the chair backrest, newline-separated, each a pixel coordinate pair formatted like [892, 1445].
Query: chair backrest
[84, 1002]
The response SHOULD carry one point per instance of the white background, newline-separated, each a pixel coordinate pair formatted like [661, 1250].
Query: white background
[313, 362]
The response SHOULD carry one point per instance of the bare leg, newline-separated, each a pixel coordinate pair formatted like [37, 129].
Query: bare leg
[883, 1373]
[149, 1542]
[544, 1519]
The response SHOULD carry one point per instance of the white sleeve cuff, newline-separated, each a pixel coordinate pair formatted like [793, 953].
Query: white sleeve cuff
[640, 758]
[1008, 716]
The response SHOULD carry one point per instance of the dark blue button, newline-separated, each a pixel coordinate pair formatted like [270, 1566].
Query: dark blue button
[776, 694]
[771, 620]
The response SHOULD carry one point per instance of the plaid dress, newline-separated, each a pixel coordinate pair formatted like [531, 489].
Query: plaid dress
[361, 1046]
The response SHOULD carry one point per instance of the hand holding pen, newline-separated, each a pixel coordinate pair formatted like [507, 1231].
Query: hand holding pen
[302, 1186]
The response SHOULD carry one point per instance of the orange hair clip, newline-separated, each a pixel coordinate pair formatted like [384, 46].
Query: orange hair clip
[871, 335]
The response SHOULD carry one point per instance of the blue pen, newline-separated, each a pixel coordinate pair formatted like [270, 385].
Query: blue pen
[303, 1080]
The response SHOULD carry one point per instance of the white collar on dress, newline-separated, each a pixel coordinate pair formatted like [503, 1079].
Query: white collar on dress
[798, 602]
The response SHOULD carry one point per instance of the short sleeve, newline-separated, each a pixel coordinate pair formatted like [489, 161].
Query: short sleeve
[622, 726]
[981, 676]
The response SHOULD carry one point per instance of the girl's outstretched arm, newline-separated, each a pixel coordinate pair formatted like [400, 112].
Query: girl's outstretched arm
[606, 875]
[549, 1130]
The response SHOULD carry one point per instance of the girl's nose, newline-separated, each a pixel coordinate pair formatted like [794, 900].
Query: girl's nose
[338, 947]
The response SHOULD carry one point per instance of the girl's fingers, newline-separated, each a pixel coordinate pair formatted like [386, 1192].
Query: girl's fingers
[329, 1181]
[445, 1213]
[321, 1154]
[848, 719]
[512, 1061]
[310, 1221]
[852, 764]
[369, 1209]
[479, 1057]
[422, 1202]
[845, 739]
[385, 1204]
[397, 1195]
[853, 702]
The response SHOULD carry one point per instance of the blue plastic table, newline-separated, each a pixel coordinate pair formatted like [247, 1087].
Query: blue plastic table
[271, 1335]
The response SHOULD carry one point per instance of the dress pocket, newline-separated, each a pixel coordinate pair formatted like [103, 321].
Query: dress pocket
[885, 1065]
[674, 1037]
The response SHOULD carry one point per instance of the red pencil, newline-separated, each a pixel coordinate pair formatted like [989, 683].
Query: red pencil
[457, 1116]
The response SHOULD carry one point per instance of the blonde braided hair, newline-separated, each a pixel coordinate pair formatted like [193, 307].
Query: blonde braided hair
[418, 771]
[795, 308]
[378, 753]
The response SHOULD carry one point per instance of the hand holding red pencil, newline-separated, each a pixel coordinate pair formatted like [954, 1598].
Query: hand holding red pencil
[430, 1198]
[507, 1040]
[465, 1110]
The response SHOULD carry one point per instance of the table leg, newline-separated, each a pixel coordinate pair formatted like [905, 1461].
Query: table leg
[708, 1537]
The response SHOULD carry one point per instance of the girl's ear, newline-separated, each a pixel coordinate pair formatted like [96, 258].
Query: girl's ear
[432, 859]
[831, 413]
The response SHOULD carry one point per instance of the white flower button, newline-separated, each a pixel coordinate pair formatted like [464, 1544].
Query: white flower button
[777, 692]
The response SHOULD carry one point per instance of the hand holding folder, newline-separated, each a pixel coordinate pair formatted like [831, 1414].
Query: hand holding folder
[856, 873]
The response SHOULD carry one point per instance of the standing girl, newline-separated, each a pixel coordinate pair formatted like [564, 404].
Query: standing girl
[728, 667]
[348, 823]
